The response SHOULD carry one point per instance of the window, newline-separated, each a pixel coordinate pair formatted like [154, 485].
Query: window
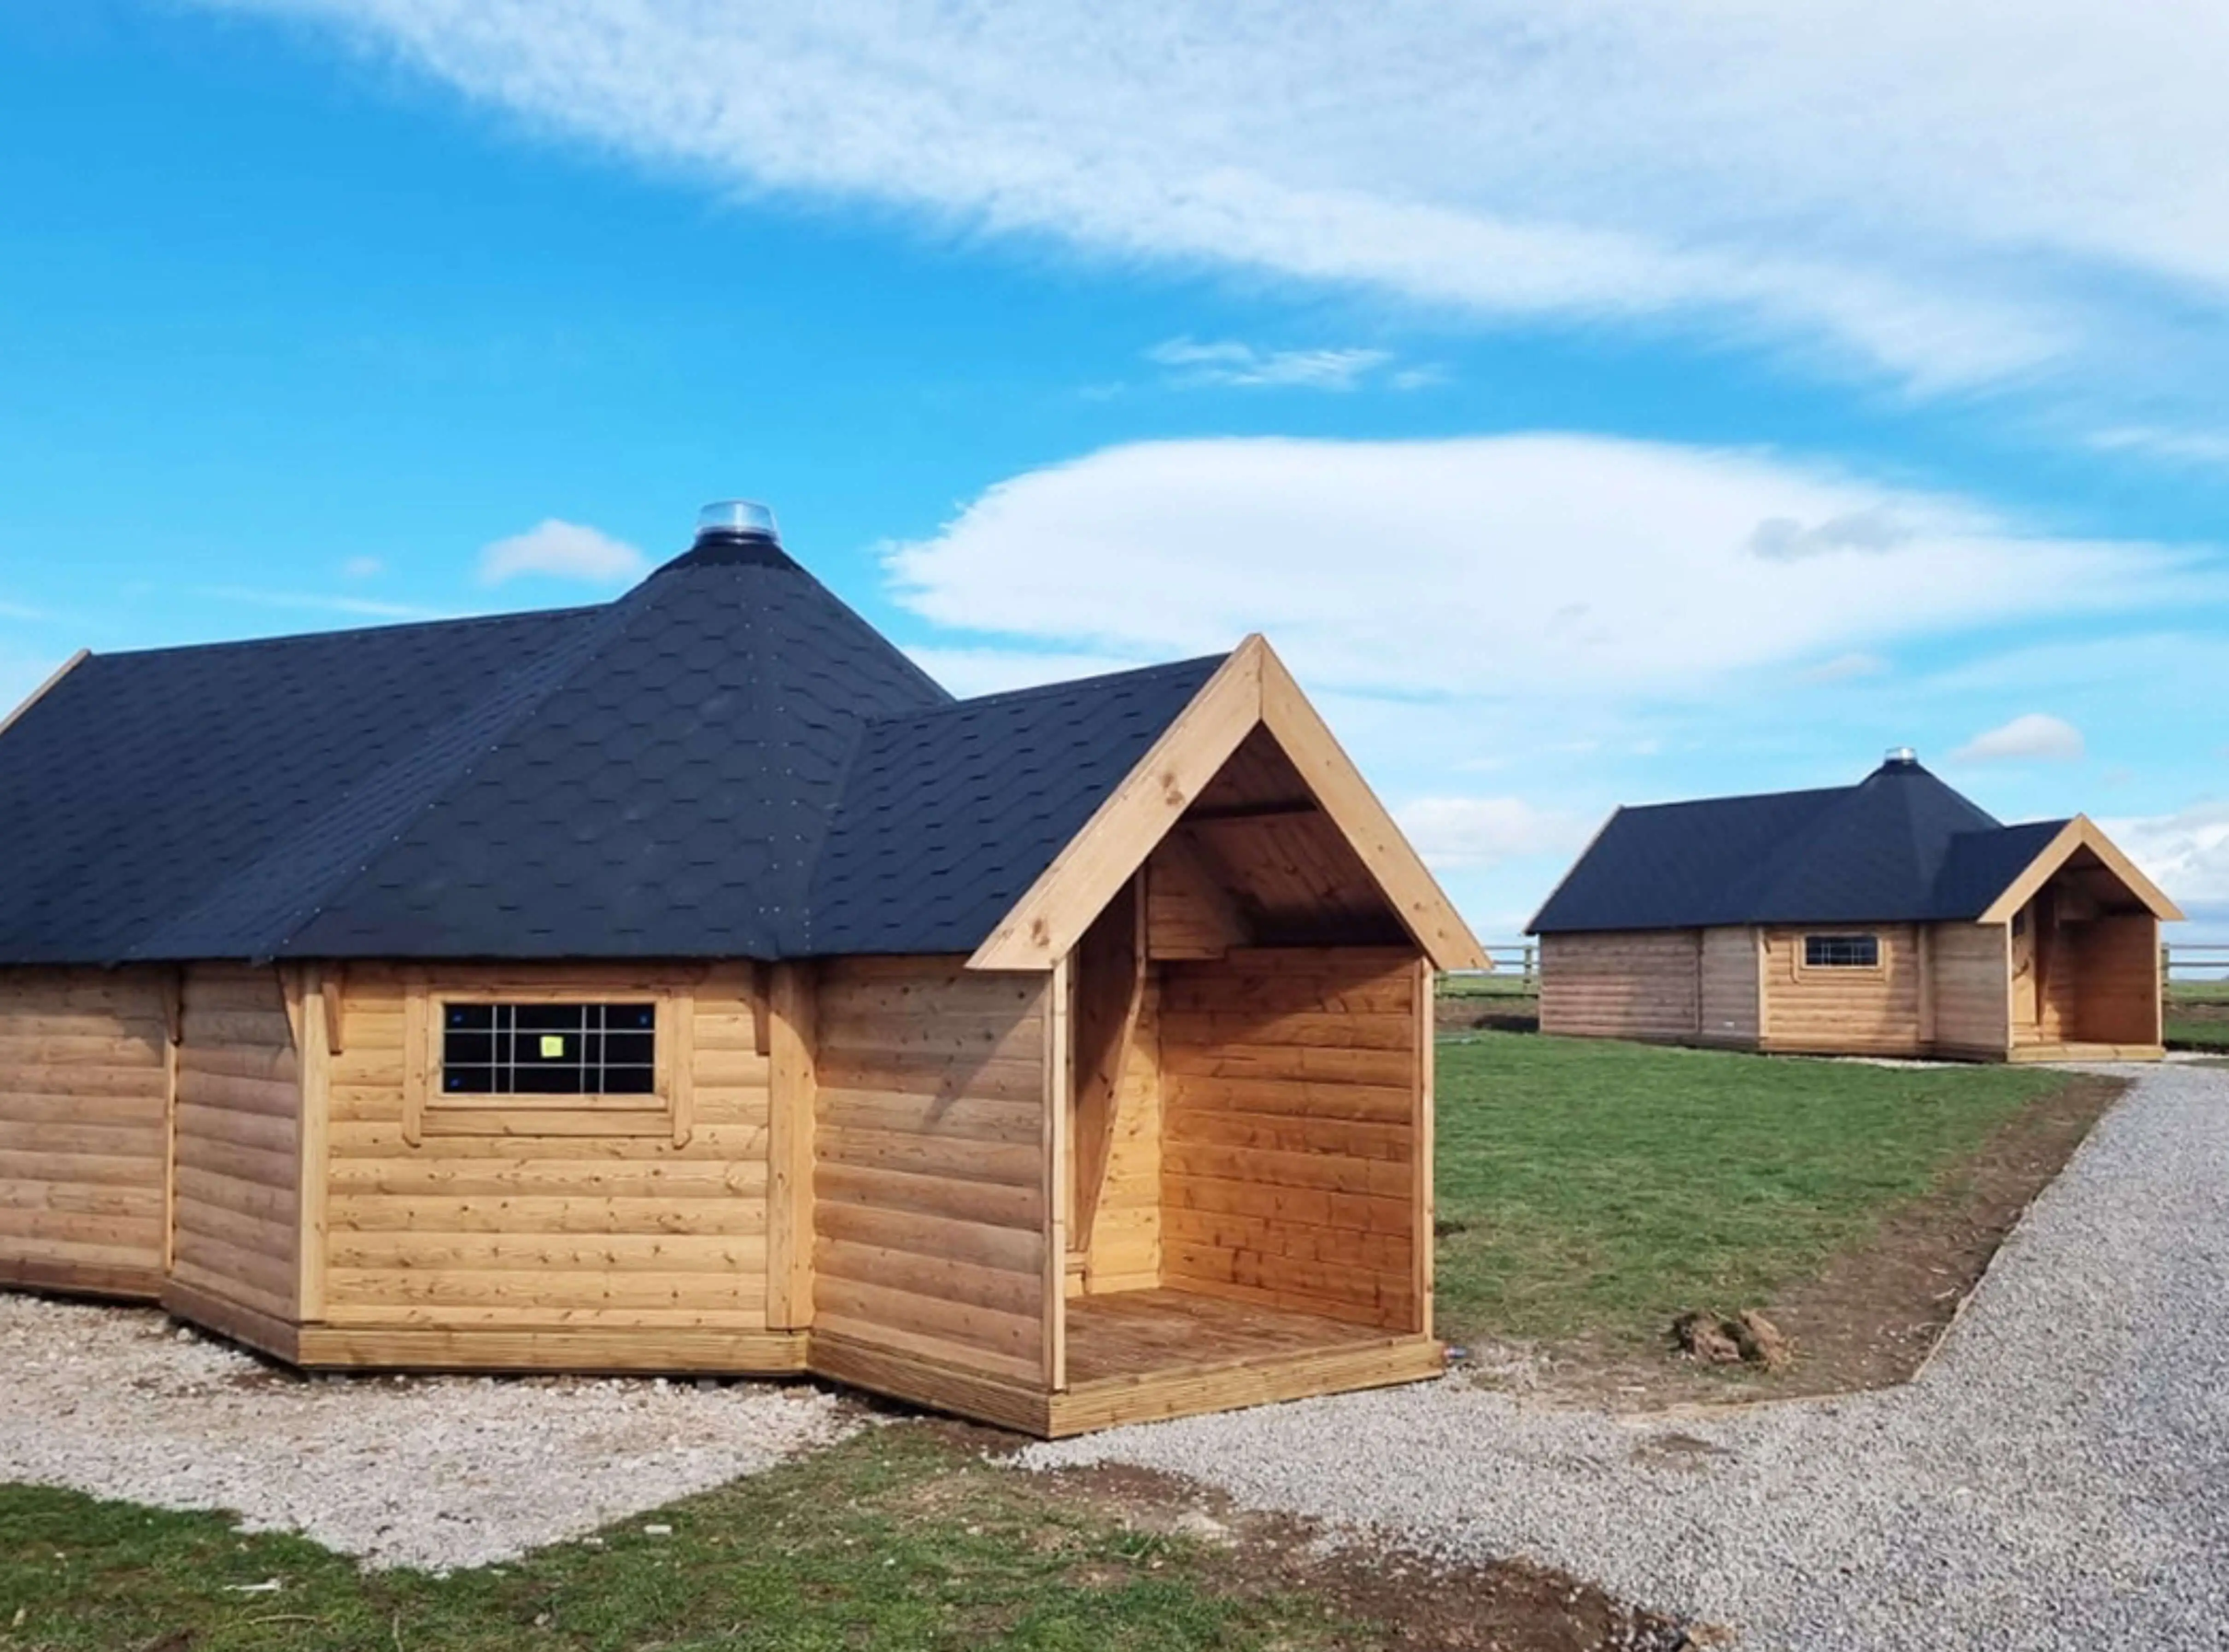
[548, 1049]
[574, 1055]
[1841, 952]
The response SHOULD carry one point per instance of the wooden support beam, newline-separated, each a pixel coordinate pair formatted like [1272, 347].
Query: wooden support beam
[791, 1002]
[1059, 1077]
[1110, 992]
[315, 1044]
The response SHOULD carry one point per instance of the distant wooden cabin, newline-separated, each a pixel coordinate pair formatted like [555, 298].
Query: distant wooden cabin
[689, 984]
[1888, 918]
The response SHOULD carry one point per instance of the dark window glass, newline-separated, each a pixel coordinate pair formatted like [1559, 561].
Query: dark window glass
[1841, 951]
[548, 1049]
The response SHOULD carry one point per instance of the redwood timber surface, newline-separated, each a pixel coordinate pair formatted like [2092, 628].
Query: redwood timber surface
[1291, 1080]
[606, 1237]
[236, 1203]
[1843, 1011]
[84, 1090]
[929, 1211]
[1631, 984]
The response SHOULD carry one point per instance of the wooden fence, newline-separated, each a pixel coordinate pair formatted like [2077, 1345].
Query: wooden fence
[1519, 962]
[2187, 962]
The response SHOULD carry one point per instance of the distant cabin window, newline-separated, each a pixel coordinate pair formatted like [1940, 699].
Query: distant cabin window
[548, 1049]
[1841, 952]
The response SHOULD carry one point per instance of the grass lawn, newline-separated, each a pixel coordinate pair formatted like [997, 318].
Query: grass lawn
[1590, 1188]
[896, 1538]
[2198, 1015]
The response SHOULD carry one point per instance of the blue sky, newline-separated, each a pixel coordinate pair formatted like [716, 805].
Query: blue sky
[1593, 405]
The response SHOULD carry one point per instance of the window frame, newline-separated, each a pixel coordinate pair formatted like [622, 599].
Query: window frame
[431, 1109]
[1841, 972]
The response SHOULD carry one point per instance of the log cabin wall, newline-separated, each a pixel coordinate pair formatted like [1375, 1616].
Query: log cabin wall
[237, 1175]
[1873, 1012]
[1295, 1120]
[520, 1238]
[1968, 975]
[1730, 987]
[1637, 984]
[84, 1100]
[929, 1178]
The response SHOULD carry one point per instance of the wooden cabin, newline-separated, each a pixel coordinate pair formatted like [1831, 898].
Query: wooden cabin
[1889, 918]
[691, 985]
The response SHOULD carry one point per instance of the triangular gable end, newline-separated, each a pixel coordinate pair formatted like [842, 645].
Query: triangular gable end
[1251, 690]
[2079, 833]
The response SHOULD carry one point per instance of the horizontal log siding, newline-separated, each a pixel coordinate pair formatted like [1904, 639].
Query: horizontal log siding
[1729, 987]
[237, 1202]
[1126, 1231]
[83, 1093]
[1972, 998]
[1836, 1011]
[580, 1231]
[2117, 972]
[928, 1174]
[1638, 984]
[1289, 1086]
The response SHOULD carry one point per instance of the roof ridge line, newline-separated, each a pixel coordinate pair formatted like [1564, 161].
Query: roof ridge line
[1000, 697]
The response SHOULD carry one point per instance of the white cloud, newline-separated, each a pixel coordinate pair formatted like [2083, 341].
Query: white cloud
[2185, 854]
[362, 607]
[1245, 366]
[2202, 448]
[1473, 832]
[1848, 667]
[1533, 564]
[1934, 186]
[2035, 737]
[969, 671]
[563, 550]
[362, 568]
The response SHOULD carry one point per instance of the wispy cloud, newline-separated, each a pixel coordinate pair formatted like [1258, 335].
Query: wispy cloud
[2034, 737]
[1471, 834]
[1844, 668]
[2186, 852]
[563, 550]
[362, 568]
[314, 602]
[2202, 447]
[1560, 564]
[1245, 366]
[1898, 181]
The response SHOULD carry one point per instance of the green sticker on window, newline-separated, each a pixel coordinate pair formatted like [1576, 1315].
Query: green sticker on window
[553, 1046]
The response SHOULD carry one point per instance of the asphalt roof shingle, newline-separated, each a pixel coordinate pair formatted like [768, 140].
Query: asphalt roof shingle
[1898, 847]
[726, 762]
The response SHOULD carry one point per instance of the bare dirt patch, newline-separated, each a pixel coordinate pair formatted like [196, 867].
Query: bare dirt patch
[1488, 1013]
[1400, 1598]
[1873, 1316]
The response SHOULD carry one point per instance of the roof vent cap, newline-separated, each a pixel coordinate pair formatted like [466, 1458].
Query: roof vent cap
[731, 519]
[1902, 757]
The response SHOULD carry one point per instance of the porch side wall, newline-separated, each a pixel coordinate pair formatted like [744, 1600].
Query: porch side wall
[2117, 976]
[84, 1099]
[1844, 1012]
[1291, 1086]
[567, 1244]
[1971, 976]
[928, 1207]
[1642, 984]
[236, 1198]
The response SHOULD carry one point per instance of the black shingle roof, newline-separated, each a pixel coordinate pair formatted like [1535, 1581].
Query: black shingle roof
[1898, 847]
[725, 762]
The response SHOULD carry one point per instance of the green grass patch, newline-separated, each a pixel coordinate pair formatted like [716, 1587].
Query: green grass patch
[2198, 1014]
[896, 1538]
[1593, 1188]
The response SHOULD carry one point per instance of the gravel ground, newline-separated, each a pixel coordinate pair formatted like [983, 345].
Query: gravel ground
[435, 1473]
[2058, 1476]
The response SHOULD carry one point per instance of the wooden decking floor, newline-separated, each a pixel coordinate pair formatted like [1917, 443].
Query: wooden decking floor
[1141, 1333]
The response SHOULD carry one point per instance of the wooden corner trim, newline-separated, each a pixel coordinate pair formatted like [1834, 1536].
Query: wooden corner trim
[1392, 862]
[44, 689]
[1044, 925]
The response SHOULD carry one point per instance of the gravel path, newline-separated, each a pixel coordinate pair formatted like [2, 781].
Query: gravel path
[2058, 1476]
[435, 1473]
